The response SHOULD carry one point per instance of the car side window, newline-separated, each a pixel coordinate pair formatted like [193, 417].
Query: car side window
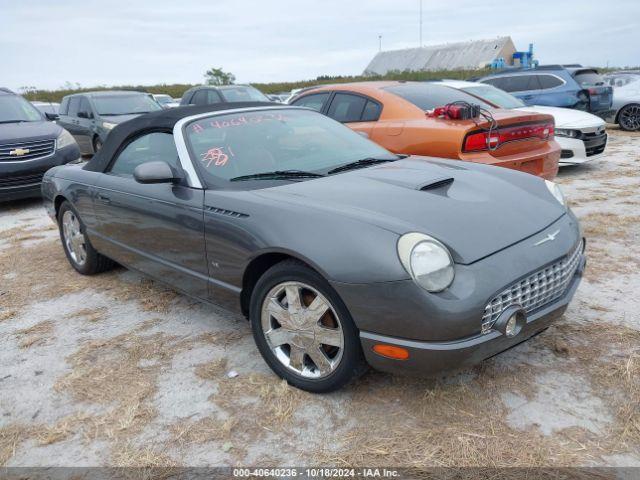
[156, 146]
[549, 81]
[346, 107]
[496, 82]
[517, 83]
[314, 101]
[206, 97]
[64, 106]
[85, 107]
[371, 111]
[74, 105]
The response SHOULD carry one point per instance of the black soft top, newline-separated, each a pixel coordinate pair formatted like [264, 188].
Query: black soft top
[161, 120]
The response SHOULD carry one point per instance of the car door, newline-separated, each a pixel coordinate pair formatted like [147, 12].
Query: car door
[85, 124]
[154, 228]
[357, 111]
[70, 121]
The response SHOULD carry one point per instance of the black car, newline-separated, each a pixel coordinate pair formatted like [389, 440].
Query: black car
[90, 116]
[210, 95]
[30, 144]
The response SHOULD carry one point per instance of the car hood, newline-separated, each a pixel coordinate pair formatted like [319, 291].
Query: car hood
[119, 118]
[567, 117]
[28, 131]
[475, 210]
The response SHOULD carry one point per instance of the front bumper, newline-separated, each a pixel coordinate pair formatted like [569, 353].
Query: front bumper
[23, 179]
[449, 323]
[430, 358]
[581, 150]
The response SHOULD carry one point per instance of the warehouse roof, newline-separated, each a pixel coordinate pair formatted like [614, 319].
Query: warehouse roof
[451, 56]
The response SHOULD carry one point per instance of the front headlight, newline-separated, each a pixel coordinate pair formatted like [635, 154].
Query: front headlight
[65, 139]
[565, 132]
[555, 190]
[108, 125]
[427, 261]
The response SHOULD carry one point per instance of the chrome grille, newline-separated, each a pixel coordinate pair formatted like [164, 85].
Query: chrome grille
[536, 290]
[28, 150]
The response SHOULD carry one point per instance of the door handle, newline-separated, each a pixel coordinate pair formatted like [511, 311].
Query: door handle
[104, 198]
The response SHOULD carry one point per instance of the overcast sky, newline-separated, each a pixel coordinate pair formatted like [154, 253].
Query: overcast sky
[46, 43]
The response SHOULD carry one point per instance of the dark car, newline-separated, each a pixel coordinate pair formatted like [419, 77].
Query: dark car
[90, 116]
[29, 145]
[210, 95]
[556, 86]
[338, 251]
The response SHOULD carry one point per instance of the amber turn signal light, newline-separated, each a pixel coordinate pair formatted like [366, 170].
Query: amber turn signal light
[390, 351]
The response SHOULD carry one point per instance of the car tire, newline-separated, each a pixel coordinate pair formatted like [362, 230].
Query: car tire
[629, 118]
[97, 144]
[76, 245]
[323, 367]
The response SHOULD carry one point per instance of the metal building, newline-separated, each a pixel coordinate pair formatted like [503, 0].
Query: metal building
[451, 56]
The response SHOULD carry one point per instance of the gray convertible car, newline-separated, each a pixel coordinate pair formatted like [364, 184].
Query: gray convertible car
[340, 253]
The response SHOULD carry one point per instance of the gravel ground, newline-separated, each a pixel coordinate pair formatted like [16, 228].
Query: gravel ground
[118, 370]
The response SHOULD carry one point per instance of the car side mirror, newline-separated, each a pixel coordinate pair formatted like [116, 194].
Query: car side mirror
[83, 115]
[52, 116]
[155, 172]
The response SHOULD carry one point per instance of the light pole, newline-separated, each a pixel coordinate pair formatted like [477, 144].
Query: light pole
[379, 43]
[420, 24]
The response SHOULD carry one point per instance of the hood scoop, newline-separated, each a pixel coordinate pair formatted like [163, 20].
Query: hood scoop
[435, 184]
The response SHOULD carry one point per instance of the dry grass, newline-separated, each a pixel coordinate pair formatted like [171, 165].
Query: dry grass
[608, 225]
[272, 402]
[187, 432]
[213, 370]
[143, 463]
[37, 335]
[602, 262]
[11, 436]
[45, 274]
[610, 356]
[120, 374]
[7, 314]
[90, 314]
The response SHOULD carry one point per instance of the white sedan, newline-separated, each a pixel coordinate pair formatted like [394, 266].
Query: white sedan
[581, 135]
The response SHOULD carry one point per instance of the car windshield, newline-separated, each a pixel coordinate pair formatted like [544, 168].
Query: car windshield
[14, 108]
[588, 78]
[428, 96]
[621, 80]
[125, 104]
[282, 140]
[494, 95]
[243, 94]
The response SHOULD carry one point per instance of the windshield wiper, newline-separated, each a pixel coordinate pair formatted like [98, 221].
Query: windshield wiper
[363, 162]
[15, 121]
[277, 175]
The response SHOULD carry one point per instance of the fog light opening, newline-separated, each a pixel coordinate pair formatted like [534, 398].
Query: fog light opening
[511, 321]
[391, 351]
[510, 329]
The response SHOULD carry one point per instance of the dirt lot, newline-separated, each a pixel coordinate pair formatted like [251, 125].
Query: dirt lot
[118, 370]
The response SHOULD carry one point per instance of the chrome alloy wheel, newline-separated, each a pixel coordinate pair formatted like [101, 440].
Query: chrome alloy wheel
[73, 237]
[302, 329]
[630, 117]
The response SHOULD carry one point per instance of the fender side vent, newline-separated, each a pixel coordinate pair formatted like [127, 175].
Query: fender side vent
[442, 182]
[226, 213]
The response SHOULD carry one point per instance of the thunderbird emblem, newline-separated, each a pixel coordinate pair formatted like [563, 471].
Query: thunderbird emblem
[549, 238]
[18, 152]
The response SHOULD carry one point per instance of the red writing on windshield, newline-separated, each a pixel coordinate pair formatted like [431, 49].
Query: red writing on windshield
[215, 156]
[239, 121]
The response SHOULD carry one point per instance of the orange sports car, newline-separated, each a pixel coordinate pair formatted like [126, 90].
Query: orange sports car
[405, 117]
